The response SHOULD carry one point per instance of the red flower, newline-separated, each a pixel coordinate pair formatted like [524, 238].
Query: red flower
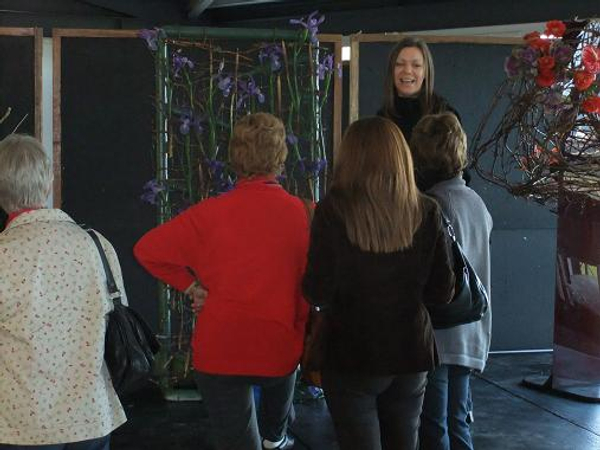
[591, 105]
[583, 79]
[545, 78]
[533, 36]
[590, 57]
[546, 63]
[556, 28]
[543, 45]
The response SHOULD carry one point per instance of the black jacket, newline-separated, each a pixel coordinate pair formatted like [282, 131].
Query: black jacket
[375, 302]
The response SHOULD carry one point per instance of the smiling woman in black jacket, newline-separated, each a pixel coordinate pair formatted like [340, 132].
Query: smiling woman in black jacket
[377, 256]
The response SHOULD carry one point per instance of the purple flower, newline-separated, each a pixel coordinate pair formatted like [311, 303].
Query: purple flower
[312, 168]
[273, 53]
[291, 138]
[512, 67]
[281, 178]
[325, 66]
[180, 62]
[151, 191]
[527, 55]
[187, 121]
[248, 89]
[311, 24]
[225, 84]
[562, 53]
[151, 38]
[554, 101]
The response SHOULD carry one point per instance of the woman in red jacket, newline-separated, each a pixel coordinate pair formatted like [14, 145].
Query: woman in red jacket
[248, 246]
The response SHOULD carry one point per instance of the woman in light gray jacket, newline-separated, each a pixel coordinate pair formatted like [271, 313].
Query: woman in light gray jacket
[439, 147]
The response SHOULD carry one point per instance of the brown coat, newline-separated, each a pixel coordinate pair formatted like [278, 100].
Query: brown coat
[375, 302]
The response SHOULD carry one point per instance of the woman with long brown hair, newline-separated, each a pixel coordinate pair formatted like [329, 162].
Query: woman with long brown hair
[409, 86]
[378, 255]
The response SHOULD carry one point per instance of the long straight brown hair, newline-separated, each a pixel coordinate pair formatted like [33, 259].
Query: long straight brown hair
[374, 184]
[427, 98]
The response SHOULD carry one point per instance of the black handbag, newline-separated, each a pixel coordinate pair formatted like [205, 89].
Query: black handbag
[470, 302]
[129, 344]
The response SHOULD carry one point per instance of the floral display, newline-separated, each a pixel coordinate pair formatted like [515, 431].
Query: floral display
[548, 140]
[206, 79]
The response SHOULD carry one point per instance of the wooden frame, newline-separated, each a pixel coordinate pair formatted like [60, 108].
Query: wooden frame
[37, 34]
[59, 33]
[357, 39]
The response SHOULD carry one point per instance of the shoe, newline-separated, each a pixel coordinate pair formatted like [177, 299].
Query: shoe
[286, 444]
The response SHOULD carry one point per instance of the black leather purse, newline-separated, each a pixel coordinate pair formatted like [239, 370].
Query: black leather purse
[470, 302]
[129, 344]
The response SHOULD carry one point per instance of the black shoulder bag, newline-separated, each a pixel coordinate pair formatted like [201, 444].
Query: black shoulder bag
[470, 302]
[130, 344]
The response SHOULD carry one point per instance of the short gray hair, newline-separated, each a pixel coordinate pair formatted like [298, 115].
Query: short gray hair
[25, 173]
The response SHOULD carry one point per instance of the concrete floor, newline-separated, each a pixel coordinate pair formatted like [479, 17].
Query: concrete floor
[508, 416]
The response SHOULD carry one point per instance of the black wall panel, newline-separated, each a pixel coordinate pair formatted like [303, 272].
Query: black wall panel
[17, 78]
[107, 141]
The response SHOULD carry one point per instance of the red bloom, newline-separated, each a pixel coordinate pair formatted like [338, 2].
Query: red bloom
[591, 105]
[591, 59]
[583, 79]
[533, 36]
[546, 63]
[545, 78]
[556, 28]
[543, 45]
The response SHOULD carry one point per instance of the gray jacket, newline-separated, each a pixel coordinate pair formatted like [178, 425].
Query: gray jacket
[467, 345]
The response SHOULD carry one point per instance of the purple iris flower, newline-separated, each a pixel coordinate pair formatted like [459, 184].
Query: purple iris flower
[187, 121]
[325, 66]
[273, 53]
[151, 190]
[312, 168]
[248, 89]
[151, 38]
[291, 138]
[180, 62]
[224, 82]
[311, 23]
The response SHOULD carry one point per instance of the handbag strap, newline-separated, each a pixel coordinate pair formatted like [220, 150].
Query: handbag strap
[448, 225]
[113, 291]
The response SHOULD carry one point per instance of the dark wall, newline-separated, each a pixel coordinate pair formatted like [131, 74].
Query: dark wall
[107, 140]
[524, 236]
[17, 78]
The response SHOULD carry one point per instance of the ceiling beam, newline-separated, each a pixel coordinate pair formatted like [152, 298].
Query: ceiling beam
[197, 7]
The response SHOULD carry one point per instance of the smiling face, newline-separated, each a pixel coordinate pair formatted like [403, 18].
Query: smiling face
[409, 72]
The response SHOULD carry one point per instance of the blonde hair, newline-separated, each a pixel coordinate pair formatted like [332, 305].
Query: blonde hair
[258, 146]
[374, 182]
[25, 173]
[439, 147]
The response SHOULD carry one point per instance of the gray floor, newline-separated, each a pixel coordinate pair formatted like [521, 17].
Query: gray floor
[508, 416]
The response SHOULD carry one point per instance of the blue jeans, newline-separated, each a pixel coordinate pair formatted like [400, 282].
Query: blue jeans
[102, 443]
[229, 400]
[444, 424]
[375, 412]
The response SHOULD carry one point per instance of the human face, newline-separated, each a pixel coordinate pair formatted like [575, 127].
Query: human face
[409, 72]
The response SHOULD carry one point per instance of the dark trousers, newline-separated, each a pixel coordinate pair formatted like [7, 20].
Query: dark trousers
[375, 412]
[102, 443]
[230, 403]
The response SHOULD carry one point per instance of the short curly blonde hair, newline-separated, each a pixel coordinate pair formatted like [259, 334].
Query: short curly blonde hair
[258, 146]
[439, 147]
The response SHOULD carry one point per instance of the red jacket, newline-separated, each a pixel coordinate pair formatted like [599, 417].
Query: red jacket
[248, 247]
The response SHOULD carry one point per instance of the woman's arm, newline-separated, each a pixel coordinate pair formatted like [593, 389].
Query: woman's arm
[167, 250]
[319, 278]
